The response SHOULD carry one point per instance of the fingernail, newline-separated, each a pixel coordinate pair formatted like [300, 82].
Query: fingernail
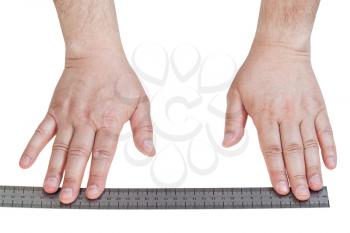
[51, 182]
[148, 145]
[332, 162]
[315, 180]
[282, 187]
[302, 190]
[67, 193]
[229, 137]
[92, 190]
[25, 161]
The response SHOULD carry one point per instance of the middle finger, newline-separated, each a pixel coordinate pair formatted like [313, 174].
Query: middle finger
[293, 153]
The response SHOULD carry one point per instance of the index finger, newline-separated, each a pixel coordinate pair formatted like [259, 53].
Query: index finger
[43, 134]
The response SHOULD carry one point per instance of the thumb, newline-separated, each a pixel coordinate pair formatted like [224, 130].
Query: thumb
[141, 125]
[235, 120]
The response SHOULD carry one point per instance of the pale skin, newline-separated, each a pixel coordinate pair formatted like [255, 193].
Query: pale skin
[277, 88]
[99, 92]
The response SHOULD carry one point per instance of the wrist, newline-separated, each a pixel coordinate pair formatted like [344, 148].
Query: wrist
[80, 54]
[87, 48]
[278, 51]
[292, 40]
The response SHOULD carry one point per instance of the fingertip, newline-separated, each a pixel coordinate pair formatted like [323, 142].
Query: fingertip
[228, 139]
[148, 147]
[93, 192]
[51, 185]
[25, 162]
[150, 154]
[282, 188]
[231, 138]
[331, 162]
[50, 190]
[153, 153]
[302, 193]
[66, 196]
[315, 187]
[315, 183]
[303, 197]
[21, 165]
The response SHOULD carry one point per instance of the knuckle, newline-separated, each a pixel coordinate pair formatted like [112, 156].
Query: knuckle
[81, 118]
[60, 147]
[78, 151]
[233, 116]
[327, 131]
[288, 107]
[264, 110]
[145, 127]
[311, 143]
[58, 105]
[298, 177]
[111, 119]
[70, 180]
[313, 170]
[293, 148]
[110, 114]
[271, 151]
[109, 133]
[40, 131]
[96, 176]
[79, 112]
[145, 100]
[332, 148]
[231, 92]
[51, 114]
[102, 154]
[56, 113]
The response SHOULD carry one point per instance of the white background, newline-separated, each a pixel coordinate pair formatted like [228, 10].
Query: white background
[31, 61]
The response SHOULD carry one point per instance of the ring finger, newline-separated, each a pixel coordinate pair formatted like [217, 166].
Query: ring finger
[103, 152]
[312, 157]
[78, 155]
[58, 159]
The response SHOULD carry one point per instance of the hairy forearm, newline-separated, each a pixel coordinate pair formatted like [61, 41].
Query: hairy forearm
[88, 25]
[287, 22]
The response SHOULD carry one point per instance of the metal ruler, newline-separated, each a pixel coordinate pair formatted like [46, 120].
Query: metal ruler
[178, 198]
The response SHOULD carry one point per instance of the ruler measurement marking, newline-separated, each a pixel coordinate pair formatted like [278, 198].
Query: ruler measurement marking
[184, 198]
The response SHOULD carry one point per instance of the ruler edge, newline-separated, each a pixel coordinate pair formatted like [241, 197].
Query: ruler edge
[69, 207]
